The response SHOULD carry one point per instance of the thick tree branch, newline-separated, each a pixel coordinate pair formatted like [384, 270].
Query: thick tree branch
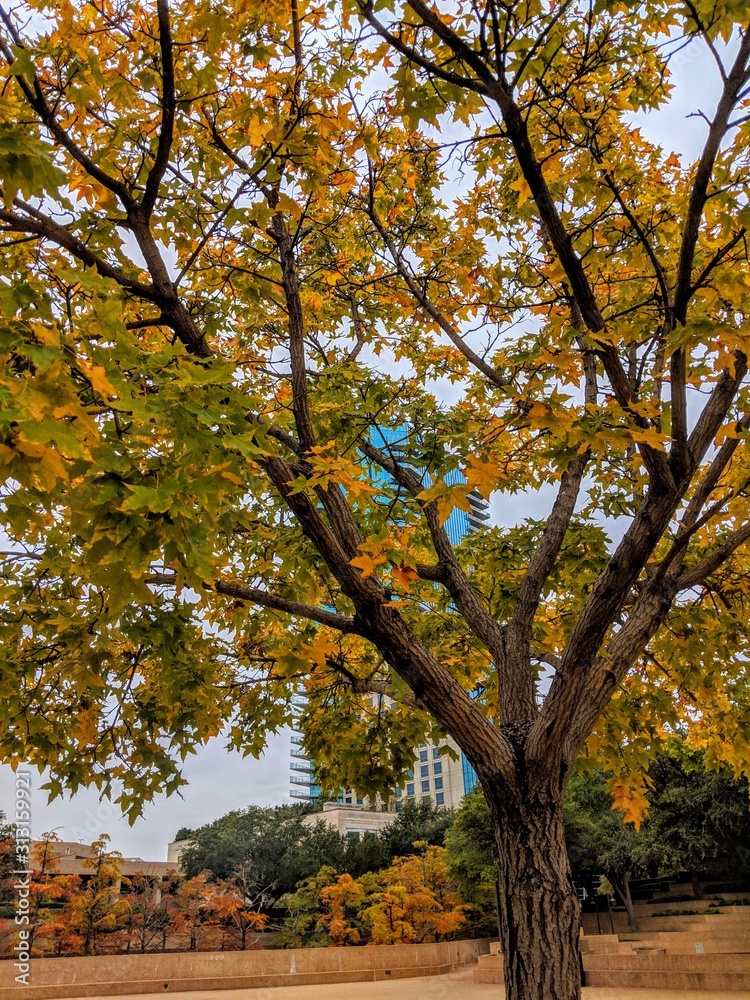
[582, 291]
[540, 567]
[697, 574]
[733, 84]
[679, 455]
[716, 409]
[42, 226]
[611, 666]
[382, 624]
[369, 685]
[414, 56]
[253, 595]
[168, 106]
[296, 327]
[551, 659]
[448, 570]
[531, 169]
[692, 520]
[264, 599]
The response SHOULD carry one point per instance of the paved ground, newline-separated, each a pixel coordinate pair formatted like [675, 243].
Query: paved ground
[456, 986]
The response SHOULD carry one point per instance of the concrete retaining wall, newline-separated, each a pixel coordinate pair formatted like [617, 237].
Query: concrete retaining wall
[112, 975]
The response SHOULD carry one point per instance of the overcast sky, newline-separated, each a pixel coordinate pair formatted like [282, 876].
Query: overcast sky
[220, 781]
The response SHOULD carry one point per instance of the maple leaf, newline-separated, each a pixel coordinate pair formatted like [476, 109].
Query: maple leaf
[629, 797]
[482, 476]
[368, 562]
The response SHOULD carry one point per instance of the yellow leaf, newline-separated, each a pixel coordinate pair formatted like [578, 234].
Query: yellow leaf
[648, 436]
[629, 797]
[98, 379]
[367, 563]
[481, 476]
[404, 575]
[524, 191]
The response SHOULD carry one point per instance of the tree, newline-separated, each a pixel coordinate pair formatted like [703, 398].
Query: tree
[417, 822]
[415, 900]
[194, 915]
[49, 891]
[599, 840]
[148, 909]
[472, 861]
[8, 862]
[217, 218]
[301, 926]
[96, 909]
[341, 901]
[271, 850]
[234, 911]
[698, 820]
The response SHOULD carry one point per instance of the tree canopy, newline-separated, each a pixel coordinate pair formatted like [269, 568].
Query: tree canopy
[239, 242]
[273, 849]
[190, 211]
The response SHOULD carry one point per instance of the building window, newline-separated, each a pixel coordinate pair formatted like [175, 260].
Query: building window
[410, 774]
[437, 768]
[438, 783]
[426, 798]
[360, 801]
[425, 786]
[439, 799]
[399, 793]
[410, 788]
[470, 775]
[423, 755]
[435, 753]
[424, 771]
[399, 807]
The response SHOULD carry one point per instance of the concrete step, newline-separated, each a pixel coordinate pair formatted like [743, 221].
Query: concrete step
[727, 918]
[491, 961]
[604, 944]
[664, 962]
[622, 979]
[490, 969]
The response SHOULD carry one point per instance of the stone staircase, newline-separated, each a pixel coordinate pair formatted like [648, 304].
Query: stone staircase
[695, 952]
[659, 970]
[490, 967]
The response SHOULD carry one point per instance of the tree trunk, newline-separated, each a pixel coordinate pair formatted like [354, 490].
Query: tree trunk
[539, 908]
[623, 891]
[698, 892]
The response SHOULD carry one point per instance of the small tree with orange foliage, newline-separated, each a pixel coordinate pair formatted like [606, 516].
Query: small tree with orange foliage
[343, 900]
[50, 920]
[148, 909]
[234, 913]
[417, 901]
[195, 917]
[98, 907]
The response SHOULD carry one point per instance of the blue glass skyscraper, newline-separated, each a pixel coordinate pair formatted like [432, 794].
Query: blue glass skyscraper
[398, 442]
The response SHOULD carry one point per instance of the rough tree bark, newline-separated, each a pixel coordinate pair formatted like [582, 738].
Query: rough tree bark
[539, 909]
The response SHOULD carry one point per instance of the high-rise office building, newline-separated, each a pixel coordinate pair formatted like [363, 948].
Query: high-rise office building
[436, 775]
